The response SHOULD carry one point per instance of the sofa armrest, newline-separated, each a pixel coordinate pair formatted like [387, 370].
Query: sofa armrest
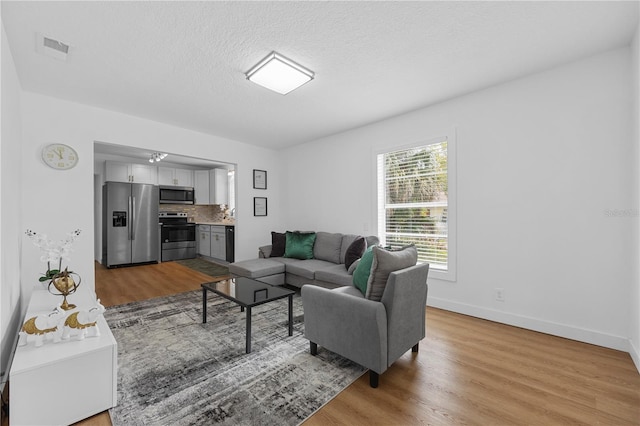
[264, 252]
[353, 327]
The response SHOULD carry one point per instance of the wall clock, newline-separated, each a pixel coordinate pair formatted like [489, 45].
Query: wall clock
[59, 156]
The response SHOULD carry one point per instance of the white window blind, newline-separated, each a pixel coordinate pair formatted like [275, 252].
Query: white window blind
[413, 201]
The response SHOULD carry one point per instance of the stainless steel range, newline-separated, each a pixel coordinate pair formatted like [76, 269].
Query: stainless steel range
[178, 236]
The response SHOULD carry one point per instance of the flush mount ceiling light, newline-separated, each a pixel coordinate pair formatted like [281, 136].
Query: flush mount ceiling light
[157, 156]
[277, 73]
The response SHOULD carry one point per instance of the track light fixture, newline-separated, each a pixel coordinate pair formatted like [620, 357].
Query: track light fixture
[157, 156]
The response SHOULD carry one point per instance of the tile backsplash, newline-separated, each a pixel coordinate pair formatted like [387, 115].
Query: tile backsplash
[196, 213]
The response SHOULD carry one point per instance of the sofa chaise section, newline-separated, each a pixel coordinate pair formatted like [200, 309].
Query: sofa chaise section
[266, 270]
[326, 268]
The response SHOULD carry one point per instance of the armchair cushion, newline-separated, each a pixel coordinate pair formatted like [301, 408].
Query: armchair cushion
[350, 290]
[385, 262]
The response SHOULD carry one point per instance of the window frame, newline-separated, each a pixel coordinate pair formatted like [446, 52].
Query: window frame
[450, 273]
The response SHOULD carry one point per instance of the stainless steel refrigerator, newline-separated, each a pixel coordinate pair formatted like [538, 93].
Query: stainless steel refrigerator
[130, 223]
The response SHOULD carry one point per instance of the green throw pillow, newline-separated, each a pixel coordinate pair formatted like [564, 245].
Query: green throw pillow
[361, 274]
[299, 245]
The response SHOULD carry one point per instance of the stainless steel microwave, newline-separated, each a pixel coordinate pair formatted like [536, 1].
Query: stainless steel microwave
[176, 195]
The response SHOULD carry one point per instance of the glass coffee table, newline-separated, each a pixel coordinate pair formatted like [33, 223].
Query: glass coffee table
[247, 293]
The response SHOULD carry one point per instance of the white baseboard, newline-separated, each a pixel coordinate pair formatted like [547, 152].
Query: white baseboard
[635, 355]
[535, 324]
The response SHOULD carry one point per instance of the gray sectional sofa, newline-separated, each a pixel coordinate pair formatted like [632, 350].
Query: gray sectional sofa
[326, 268]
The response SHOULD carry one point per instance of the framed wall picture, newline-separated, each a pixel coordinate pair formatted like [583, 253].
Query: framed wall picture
[259, 179]
[259, 206]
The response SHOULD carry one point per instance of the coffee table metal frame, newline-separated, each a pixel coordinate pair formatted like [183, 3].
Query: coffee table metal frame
[260, 292]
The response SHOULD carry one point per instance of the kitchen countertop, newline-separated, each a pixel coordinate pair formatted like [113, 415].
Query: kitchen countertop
[216, 223]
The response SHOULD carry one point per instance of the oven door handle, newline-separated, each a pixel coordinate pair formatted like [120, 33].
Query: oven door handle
[188, 225]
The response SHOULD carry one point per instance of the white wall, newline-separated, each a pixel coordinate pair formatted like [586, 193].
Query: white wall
[634, 322]
[540, 160]
[10, 193]
[57, 202]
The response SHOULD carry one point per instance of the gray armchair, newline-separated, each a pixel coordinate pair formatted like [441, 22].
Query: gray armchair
[372, 334]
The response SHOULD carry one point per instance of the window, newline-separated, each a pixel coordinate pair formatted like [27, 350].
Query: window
[414, 202]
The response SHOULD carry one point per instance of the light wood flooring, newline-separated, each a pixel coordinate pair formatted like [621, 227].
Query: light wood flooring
[468, 370]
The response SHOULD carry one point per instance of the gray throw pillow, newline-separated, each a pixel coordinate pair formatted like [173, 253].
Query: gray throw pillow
[353, 267]
[372, 240]
[384, 263]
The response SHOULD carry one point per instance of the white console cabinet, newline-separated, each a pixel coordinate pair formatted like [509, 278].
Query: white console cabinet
[62, 383]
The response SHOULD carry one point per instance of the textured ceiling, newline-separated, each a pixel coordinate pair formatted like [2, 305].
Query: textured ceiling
[183, 63]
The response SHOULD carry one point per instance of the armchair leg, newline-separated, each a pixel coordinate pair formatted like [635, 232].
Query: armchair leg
[415, 347]
[313, 348]
[373, 379]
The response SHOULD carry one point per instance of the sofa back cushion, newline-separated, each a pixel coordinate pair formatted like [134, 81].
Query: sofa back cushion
[327, 247]
[299, 245]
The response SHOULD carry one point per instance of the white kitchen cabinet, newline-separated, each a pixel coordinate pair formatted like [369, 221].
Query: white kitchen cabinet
[184, 177]
[116, 171]
[165, 176]
[63, 383]
[144, 174]
[212, 186]
[204, 240]
[175, 177]
[201, 186]
[218, 243]
[212, 241]
[219, 186]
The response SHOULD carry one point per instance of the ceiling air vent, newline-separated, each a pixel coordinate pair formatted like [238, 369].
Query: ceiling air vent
[52, 47]
[57, 45]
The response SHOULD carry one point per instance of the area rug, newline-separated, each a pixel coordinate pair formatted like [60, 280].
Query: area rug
[204, 266]
[174, 370]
